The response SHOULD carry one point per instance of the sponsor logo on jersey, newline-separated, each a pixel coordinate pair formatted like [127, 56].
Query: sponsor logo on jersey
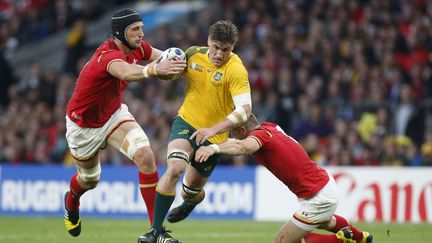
[76, 116]
[196, 67]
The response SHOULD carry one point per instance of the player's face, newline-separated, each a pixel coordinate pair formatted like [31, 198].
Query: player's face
[219, 52]
[135, 34]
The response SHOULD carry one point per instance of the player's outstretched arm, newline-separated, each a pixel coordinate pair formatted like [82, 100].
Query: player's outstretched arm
[230, 147]
[237, 117]
[134, 72]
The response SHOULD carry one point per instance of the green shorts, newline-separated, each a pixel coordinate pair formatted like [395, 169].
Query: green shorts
[181, 129]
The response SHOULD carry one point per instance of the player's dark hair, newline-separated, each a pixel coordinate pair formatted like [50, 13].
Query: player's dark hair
[224, 31]
[120, 21]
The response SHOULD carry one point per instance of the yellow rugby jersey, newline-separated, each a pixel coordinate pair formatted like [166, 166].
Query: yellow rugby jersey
[210, 90]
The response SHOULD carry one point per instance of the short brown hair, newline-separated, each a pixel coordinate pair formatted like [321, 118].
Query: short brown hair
[252, 123]
[224, 31]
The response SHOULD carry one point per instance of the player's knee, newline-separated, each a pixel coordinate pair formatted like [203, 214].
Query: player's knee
[90, 176]
[328, 225]
[144, 157]
[175, 170]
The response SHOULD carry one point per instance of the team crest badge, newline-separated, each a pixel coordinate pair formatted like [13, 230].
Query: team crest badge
[217, 76]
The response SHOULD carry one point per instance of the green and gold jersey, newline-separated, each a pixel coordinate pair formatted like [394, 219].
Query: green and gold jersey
[210, 90]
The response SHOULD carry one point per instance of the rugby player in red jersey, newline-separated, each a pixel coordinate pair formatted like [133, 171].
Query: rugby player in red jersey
[314, 187]
[96, 116]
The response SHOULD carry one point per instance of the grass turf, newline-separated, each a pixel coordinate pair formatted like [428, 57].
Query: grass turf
[95, 230]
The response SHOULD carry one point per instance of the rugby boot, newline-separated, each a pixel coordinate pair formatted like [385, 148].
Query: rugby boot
[345, 235]
[149, 237]
[181, 212]
[165, 237]
[367, 237]
[72, 220]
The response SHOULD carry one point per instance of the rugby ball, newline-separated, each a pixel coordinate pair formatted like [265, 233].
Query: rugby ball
[176, 53]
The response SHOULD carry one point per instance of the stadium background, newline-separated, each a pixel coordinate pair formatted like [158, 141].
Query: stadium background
[349, 79]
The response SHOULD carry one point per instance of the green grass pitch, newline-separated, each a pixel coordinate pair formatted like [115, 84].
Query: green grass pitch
[95, 230]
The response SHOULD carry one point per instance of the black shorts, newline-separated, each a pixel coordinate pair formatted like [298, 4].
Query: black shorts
[181, 129]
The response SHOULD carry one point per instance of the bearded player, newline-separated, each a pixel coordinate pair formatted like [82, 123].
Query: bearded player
[96, 116]
[217, 99]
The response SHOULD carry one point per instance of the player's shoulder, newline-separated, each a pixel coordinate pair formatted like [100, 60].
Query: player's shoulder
[267, 128]
[193, 50]
[268, 125]
[108, 47]
[235, 63]
[108, 50]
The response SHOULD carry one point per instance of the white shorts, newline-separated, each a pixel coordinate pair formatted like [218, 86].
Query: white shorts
[317, 209]
[85, 142]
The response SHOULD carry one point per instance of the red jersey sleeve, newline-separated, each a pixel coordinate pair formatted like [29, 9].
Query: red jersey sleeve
[107, 57]
[262, 136]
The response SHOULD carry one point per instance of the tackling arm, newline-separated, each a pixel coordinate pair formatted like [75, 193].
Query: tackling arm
[242, 112]
[231, 147]
[237, 117]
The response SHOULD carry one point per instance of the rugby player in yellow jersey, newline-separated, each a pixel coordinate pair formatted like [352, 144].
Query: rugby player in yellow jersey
[217, 99]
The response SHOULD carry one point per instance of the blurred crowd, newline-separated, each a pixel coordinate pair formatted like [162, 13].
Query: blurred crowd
[350, 80]
[30, 21]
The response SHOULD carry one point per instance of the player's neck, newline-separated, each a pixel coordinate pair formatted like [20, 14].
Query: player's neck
[122, 47]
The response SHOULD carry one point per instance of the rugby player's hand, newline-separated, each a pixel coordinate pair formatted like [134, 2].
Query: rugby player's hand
[201, 135]
[203, 153]
[169, 67]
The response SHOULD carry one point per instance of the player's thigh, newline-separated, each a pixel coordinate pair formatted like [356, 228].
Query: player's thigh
[181, 130]
[317, 210]
[290, 233]
[129, 138]
[181, 144]
[179, 153]
[194, 179]
[180, 147]
[118, 135]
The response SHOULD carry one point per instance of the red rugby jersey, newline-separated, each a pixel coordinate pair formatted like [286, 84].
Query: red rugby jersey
[97, 93]
[283, 156]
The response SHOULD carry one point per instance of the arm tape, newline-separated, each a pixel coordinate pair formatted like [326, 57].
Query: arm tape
[242, 99]
[241, 111]
[233, 118]
[238, 116]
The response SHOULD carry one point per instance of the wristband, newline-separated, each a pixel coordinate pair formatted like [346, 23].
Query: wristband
[215, 148]
[145, 71]
[154, 70]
